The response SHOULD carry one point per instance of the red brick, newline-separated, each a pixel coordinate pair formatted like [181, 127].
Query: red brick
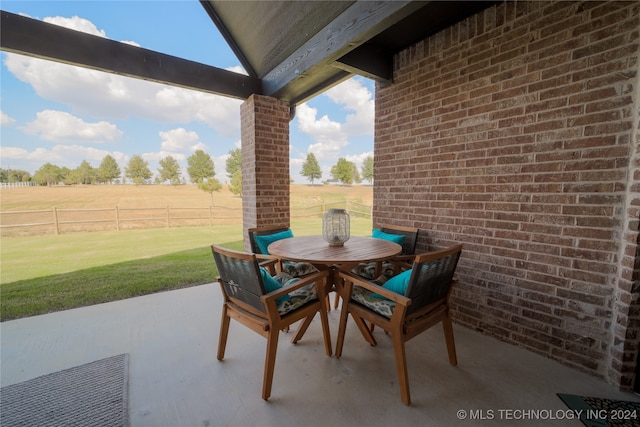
[516, 139]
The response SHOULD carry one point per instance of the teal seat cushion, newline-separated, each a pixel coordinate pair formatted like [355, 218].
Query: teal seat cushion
[297, 269]
[298, 298]
[395, 238]
[263, 242]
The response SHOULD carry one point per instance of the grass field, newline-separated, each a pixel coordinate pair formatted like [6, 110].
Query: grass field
[40, 274]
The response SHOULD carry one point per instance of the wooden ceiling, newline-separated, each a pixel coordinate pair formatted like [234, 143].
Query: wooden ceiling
[292, 50]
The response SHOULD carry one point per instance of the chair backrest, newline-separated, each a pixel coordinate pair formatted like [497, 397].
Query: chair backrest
[432, 277]
[262, 231]
[410, 236]
[240, 276]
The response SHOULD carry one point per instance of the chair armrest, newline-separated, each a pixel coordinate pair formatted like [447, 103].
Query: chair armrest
[270, 262]
[373, 287]
[320, 276]
[403, 258]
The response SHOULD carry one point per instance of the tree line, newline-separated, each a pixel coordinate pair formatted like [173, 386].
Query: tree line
[200, 168]
[344, 171]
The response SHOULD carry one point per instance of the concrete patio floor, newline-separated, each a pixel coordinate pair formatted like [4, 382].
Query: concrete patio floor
[175, 379]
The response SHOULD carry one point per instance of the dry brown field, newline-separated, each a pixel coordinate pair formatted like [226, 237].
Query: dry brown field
[95, 207]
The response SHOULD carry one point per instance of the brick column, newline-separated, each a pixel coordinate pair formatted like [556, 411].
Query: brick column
[265, 163]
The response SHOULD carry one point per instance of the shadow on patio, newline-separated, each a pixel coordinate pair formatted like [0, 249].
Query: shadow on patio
[175, 379]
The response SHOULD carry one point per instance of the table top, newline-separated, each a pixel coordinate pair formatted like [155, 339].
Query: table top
[315, 249]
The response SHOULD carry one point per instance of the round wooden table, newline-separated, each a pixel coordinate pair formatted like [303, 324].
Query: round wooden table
[315, 250]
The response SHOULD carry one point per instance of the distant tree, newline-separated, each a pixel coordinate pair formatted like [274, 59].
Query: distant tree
[235, 185]
[210, 185]
[234, 171]
[343, 171]
[169, 170]
[73, 177]
[14, 175]
[234, 162]
[367, 169]
[86, 173]
[356, 174]
[311, 168]
[200, 167]
[108, 171]
[48, 174]
[137, 170]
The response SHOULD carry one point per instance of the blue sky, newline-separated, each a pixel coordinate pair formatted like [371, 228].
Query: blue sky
[57, 113]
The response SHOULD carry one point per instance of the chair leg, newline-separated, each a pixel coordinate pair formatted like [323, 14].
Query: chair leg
[341, 331]
[326, 333]
[448, 337]
[269, 363]
[336, 301]
[401, 367]
[302, 328]
[224, 332]
[364, 330]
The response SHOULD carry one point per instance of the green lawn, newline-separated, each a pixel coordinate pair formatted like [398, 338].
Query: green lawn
[42, 274]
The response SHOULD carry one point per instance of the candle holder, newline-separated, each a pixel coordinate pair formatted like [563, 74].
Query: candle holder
[335, 227]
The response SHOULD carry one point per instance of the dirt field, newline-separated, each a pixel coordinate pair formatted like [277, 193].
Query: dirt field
[153, 196]
[98, 207]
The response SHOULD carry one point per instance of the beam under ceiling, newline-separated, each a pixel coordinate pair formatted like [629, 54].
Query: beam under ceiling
[27, 36]
[349, 30]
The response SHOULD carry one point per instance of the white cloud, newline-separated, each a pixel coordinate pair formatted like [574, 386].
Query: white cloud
[61, 155]
[357, 98]
[100, 94]
[328, 134]
[180, 141]
[59, 126]
[76, 23]
[5, 120]
[358, 159]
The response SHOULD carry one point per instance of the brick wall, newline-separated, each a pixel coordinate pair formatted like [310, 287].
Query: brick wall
[265, 163]
[515, 132]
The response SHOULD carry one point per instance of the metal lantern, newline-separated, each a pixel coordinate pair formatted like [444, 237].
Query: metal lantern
[335, 227]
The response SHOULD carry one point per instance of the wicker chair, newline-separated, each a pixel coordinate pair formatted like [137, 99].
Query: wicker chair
[422, 304]
[382, 270]
[253, 298]
[259, 239]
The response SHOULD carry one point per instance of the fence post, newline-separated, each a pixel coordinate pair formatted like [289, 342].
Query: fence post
[210, 216]
[117, 218]
[168, 226]
[55, 220]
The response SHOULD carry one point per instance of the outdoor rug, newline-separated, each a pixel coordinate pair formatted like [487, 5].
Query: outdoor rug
[597, 412]
[95, 394]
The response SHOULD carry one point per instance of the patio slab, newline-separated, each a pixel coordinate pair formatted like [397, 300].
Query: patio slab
[175, 379]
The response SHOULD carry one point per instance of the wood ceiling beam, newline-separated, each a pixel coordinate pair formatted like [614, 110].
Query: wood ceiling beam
[368, 61]
[349, 30]
[27, 36]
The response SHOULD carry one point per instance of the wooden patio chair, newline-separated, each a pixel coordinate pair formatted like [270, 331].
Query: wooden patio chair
[407, 237]
[406, 306]
[261, 237]
[255, 299]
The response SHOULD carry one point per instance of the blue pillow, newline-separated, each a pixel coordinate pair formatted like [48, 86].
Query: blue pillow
[263, 242]
[395, 238]
[271, 284]
[397, 284]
